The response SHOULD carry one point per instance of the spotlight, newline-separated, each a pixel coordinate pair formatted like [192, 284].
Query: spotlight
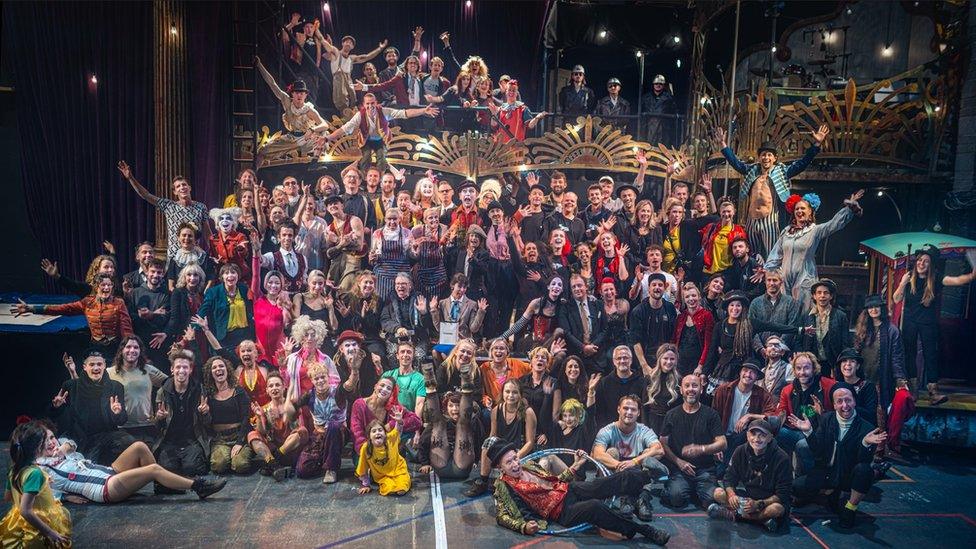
[677, 39]
[773, 49]
[467, 3]
[886, 51]
[850, 10]
[938, 108]
[677, 62]
[603, 33]
[639, 54]
[172, 30]
[325, 6]
[880, 193]
[93, 79]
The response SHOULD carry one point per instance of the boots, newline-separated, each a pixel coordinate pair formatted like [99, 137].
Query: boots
[427, 368]
[204, 486]
[467, 383]
[936, 398]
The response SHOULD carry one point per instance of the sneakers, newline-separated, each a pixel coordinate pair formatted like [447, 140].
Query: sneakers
[720, 512]
[329, 478]
[479, 487]
[645, 511]
[846, 517]
[655, 535]
[204, 486]
[281, 473]
[771, 525]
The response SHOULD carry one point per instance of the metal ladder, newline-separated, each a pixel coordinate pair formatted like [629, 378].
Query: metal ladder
[244, 126]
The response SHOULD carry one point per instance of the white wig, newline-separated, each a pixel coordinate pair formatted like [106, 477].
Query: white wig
[304, 326]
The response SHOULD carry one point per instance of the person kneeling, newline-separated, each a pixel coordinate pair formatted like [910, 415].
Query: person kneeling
[79, 480]
[842, 445]
[531, 488]
[763, 470]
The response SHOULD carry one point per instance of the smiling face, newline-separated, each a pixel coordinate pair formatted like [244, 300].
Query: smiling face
[106, 267]
[802, 212]
[700, 203]
[286, 237]
[844, 403]
[272, 285]
[367, 285]
[247, 351]
[497, 216]
[50, 445]
[509, 464]
[131, 351]
[402, 286]
[383, 389]
[531, 252]
[557, 240]
[105, 288]
[181, 188]
[95, 367]
[667, 361]
[716, 285]
[229, 278]
[766, 160]
[498, 351]
[321, 382]
[758, 440]
[218, 370]
[154, 276]
[848, 368]
[922, 264]
[774, 351]
[608, 291]
[573, 370]
[465, 352]
[774, 283]
[691, 297]
[181, 368]
[874, 312]
[748, 377]
[628, 412]
[187, 238]
[691, 388]
[511, 394]
[578, 287]
[622, 361]
[656, 289]
[144, 254]
[735, 309]
[607, 242]
[803, 370]
[405, 355]
[351, 182]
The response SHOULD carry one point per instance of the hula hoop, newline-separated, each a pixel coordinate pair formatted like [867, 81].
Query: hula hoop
[566, 451]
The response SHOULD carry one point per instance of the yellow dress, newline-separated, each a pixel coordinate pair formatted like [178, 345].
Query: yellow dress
[15, 531]
[388, 468]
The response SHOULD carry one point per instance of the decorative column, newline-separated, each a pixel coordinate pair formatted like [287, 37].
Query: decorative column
[171, 102]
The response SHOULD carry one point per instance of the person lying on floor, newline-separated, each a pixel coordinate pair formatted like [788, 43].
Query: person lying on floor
[524, 492]
[79, 480]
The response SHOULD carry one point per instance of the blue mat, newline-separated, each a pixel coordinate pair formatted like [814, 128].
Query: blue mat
[61, 324]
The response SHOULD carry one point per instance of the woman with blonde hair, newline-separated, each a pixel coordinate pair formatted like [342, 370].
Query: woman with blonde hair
[460, 360]
[512, 421]
[316, 303]
[360, 309]
[644, 232]
[663, 387]
[307, 335]
[426, 250]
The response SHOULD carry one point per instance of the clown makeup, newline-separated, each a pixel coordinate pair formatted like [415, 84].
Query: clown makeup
[226, 223]
[383, 389]
[555, 288]
[350, 348]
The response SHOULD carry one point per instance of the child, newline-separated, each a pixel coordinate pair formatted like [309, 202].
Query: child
[380, 457]
[36, 518]
[328, 405]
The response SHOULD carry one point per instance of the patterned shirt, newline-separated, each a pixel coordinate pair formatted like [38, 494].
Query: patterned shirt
[176, 215]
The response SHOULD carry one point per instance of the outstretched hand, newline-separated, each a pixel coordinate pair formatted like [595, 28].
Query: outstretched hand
[124, 169]
[821, 133]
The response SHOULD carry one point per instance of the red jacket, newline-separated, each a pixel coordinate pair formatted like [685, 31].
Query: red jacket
[710, 231]
[704, 323]
[760, 401]
[398, 87]
[107, 319]
[786, 397]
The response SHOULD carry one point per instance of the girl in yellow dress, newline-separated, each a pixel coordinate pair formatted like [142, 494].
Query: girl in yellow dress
[380, 457]
[36, 518]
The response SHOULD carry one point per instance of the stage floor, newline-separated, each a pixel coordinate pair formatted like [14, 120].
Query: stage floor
[922, 505]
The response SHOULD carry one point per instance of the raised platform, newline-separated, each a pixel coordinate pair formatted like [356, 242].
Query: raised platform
[914, 507]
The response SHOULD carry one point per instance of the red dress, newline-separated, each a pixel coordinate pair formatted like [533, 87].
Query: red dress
[269, 324]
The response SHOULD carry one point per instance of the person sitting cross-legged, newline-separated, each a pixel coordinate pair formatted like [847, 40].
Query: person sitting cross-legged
[527, 491]
[764, 472]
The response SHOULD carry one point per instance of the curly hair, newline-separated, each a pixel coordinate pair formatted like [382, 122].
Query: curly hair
[209, 385]
[304, 326]
[192, 267]
[807, 355]
[96, 265]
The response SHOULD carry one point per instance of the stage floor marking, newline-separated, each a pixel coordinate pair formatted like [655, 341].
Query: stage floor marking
[809, 532]
[904, 477]
[437, 502]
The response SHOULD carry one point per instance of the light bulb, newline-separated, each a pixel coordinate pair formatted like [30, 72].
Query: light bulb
[325, 6]
[603, 34]
[773, 48]
[677, 39]
[639, 53]
[94, 79]
[678, 63]
[880, 193]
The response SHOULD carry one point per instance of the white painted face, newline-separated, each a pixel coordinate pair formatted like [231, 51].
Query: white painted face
[226, 222]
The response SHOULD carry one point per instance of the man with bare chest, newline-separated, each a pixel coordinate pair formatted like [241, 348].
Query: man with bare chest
[766, 186]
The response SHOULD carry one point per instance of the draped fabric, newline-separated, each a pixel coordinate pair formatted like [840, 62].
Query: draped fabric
[73, 132]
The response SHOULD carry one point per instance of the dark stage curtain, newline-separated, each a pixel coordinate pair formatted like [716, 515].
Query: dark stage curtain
[504, 33]
[73, 131]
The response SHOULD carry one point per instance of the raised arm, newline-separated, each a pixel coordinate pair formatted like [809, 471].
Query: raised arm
[362, 58]
[721, 141]
[801, 164]
[281, 94]
[143, 193]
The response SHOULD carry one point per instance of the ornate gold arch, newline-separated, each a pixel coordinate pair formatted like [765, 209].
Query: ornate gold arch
[589, 144]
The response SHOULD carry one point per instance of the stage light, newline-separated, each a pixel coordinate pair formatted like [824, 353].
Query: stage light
[467, 3]
[677, 39]
[93, 79]
[886, 51]
[603, 33]
[880, 194]
[172, 30]
[850, 10]
[523, 168]
[938, 108]
[773, 49]
[639, 54]
[325, 6]
[677, 62]
[423, 54]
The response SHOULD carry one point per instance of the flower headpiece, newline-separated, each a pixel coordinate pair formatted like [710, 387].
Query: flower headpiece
[813, 199]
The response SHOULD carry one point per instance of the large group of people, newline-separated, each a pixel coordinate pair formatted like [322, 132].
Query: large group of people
[440, 327]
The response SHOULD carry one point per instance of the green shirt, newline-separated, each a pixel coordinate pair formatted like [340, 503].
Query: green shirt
[409, 387]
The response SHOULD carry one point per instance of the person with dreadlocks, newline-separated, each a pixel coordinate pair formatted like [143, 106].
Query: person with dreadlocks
[796, 249]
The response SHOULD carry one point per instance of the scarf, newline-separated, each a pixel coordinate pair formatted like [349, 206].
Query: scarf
[801, 398]
[498, 243]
